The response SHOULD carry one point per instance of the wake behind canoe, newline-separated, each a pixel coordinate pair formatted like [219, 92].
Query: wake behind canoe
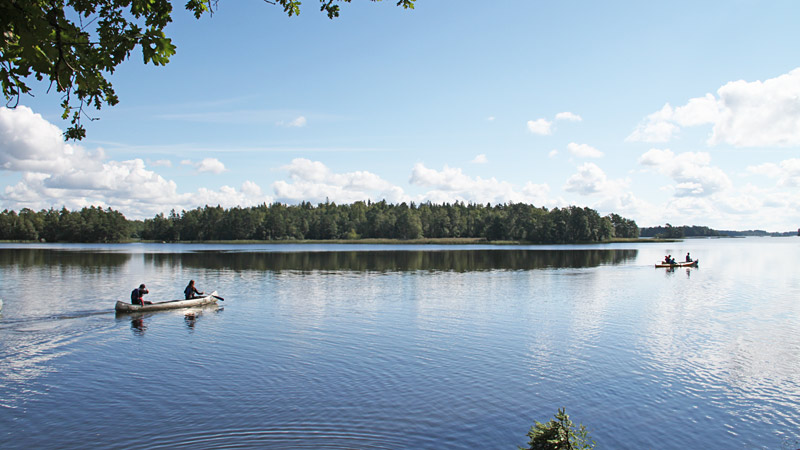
[122, 307]
[680, 264]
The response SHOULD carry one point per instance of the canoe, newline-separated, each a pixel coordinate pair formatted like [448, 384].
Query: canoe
[171, 304]
[680, 264]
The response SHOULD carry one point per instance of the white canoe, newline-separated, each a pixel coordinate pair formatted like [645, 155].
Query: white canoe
[694, 263]
[172, 304]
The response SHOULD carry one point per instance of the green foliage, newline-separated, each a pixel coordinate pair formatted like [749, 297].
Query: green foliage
[76, 44]
[623, 228]
[672, 232]
[558, 434]
[381, 220]
[93, 224]
[508, 222]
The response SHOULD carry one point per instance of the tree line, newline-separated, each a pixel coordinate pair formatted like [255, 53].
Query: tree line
[685, 231]
[92, 224]
[325, 221]
[678, 232]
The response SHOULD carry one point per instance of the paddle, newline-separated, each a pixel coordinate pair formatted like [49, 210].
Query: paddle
[218, 297]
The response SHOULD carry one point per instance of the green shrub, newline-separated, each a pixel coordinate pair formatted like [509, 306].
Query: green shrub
[558, 434]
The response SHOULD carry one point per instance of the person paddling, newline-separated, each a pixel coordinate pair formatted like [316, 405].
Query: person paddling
[190, 290]
[688, 258]
[136, 295]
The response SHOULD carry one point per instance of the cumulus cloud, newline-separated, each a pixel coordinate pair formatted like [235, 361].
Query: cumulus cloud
[207, 165]
[566, 115]
[742, 114]
[590, 179]
[31, 144]
[55, 173]
[544, 127]
[480, 159]
[787, 172]
[691, 171]
[540, 126]
[451, 184]
[738, 208]
[212, 165]
[583, 150]
[313, 181]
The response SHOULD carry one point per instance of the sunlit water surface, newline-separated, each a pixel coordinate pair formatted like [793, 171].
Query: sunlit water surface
[381, 347]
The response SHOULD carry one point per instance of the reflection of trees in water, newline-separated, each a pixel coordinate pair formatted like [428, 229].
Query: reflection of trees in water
[42, 257]
[389, 261]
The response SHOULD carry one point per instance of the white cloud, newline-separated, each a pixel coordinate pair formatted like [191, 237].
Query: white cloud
[212, 165]
[160, 163]
[699, 111]
[490, 118]
[590, 179]
[657, 127]
[544, 127]
[691, 171]
[553, 153]
[566, 115]
[298, 122]
[31, 144]
[583, 150]
[480, 159]
[313, 181]
[787, 172]
[451, 184]
[540, 126]
[743, 114]
[55, 173]
[207, 165]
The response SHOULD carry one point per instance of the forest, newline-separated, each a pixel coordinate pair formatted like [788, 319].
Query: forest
[326, 221]
[93, 224]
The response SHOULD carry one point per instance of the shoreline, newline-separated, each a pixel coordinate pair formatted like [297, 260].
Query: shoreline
[368, 241]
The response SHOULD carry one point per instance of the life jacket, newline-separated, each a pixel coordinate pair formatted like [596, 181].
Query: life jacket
[135, 296]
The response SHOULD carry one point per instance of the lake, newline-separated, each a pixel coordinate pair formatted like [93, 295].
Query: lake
[401, 347]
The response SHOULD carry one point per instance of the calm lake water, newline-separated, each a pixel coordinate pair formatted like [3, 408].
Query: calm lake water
[401, 347]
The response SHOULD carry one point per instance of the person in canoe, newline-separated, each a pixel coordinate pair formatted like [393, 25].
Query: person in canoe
[191, 291]
[688, 258]
[137, 295]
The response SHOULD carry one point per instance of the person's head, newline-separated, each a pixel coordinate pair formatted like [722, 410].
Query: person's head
[191, 283]
[142, 286]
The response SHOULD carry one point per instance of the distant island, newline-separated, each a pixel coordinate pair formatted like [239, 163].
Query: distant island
[694, 231]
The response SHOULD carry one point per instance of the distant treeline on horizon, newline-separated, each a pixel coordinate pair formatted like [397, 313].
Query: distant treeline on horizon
[325, 221]
[678, 232]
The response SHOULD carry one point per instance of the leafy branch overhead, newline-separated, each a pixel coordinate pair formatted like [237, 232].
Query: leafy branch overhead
[75, 45]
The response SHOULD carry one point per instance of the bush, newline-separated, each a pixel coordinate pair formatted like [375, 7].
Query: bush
[559, 434]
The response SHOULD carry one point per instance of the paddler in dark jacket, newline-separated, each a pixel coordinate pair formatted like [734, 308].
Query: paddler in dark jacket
[190, 290]
[136, 295]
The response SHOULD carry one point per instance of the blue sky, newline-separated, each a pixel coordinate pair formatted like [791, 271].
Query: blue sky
[663, 112]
